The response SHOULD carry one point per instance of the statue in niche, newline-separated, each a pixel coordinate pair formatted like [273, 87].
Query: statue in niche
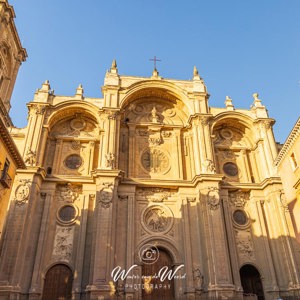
[209, 166]
[30, 159]
[154, 115]
[110, 160]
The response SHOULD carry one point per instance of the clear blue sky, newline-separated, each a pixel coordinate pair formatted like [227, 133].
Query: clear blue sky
[239, 46]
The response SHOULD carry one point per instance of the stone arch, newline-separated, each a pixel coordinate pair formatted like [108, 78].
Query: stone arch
[251, 281]
[58, 282]
[68, 109]
[52, 264]
[163, 243]
[160, 89]
[234, 139]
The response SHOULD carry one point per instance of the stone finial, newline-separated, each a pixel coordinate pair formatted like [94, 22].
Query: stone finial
[113, 68]
[155, 73]
[79, 91]
[228, 103]
[195, 71]
[114, 64]
[45, 86]
[257, 102]
[196, 75]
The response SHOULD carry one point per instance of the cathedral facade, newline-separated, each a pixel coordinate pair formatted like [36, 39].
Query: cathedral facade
[147, 193]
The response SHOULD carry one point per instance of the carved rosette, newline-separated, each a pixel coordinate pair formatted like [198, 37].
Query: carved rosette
[22, 192]
[63, 243]
[213, 198]
[105, 196]
[68, 192]
[157, 219]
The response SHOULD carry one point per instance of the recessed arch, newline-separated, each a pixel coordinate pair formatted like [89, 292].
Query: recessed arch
[251, 281]
[58, 282]
[159, 89]
[70, 109]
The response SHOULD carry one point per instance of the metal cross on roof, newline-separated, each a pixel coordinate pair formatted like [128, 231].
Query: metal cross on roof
[154, 59]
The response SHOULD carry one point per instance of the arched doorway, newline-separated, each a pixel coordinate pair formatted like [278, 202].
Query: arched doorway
[251, 281]
[58, 283]
[154, 288]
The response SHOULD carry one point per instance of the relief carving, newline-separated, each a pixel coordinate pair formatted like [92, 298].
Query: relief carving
[22, 192]
[106, 194]
[30, 158]
[155, 161]
[244, 244]
[239, 198]
[157, 219]
[110, 160]
[198, 278]
[209, 166]
[155, 194]
[68, 192]
[63, 243]
[213, 200]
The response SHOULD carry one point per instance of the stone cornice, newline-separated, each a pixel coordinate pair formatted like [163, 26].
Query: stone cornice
[288, 144]
[11, 146]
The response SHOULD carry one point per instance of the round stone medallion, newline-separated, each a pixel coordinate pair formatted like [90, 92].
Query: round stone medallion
[155, 161]
[77, 124]
[157, 219]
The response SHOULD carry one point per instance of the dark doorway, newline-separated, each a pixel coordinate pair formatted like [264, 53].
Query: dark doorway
[251, 281]
[154, 288]
[58, 283]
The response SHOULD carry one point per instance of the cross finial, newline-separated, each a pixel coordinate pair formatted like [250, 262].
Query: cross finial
[154, 59]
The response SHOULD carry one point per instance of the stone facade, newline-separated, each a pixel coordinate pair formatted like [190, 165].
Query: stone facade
[11, 56]
[148, 168]
[287, 163]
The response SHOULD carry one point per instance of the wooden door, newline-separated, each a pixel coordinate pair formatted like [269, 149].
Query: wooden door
[58, 283]
[154, 288]
[251, 281]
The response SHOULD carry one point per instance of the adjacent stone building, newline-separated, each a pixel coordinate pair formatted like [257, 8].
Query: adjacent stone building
[288, 162]
[12, 54]
[147, 179]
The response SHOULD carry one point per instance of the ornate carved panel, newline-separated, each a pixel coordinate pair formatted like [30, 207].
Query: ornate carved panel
[63, 243]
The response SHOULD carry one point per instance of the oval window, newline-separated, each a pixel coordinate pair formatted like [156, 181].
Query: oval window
[67, 213]
[230, 169]
[240, 217]
[73, 161]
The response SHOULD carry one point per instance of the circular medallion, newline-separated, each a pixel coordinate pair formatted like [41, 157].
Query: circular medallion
[73, 161]
[67, 214]
[226, 133]
[22, 192]
[157, 218]
[77, 124]
[230, 169]
[240, 217]
[155, 161]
